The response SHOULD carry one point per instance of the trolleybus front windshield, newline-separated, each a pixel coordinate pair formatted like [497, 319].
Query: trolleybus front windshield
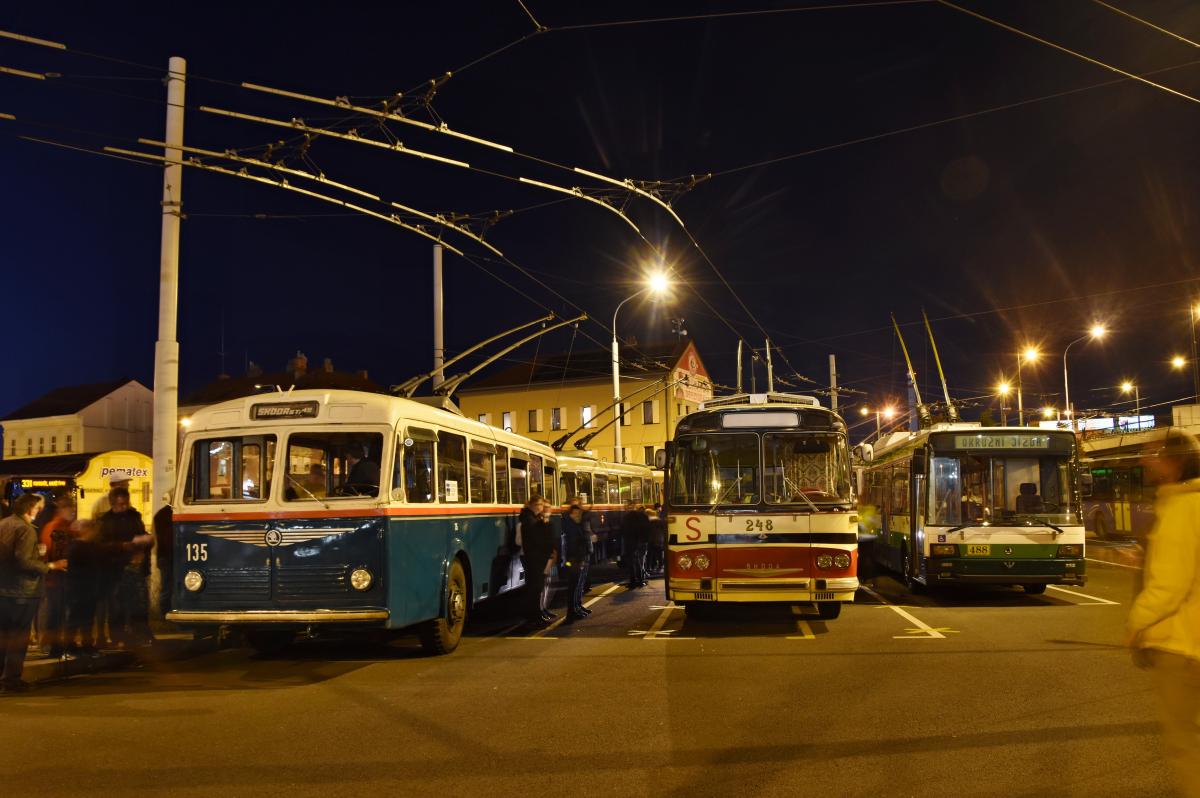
[230, 468]
[799, 468]
[1000, 489]
[719, 468]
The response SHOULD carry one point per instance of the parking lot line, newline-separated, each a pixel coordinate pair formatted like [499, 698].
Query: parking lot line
[1117, 564]
[921, 626]
[660, 621]
[543, 633]
[1093, 599]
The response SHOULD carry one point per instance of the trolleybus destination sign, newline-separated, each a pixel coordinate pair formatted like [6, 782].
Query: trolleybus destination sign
[275, 410]
[1019, 441]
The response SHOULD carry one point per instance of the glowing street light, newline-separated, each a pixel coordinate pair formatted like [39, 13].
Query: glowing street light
[1048, 412]
[1096, 332]
[889, 413]
[657, 285]
[1128, 387]
[1002, 390]
[864, 410]
[1178, 362]
[1029, 355]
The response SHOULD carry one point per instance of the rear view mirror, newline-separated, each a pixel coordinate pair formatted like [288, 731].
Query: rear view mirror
[1085, 483]
[660, 458]
[918, 465]
[864, 452]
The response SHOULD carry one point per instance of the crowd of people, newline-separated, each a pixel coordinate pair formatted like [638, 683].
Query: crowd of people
[570, 553]
[77, 583]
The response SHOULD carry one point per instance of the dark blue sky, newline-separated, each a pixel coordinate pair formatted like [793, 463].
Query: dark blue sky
[1064, 209]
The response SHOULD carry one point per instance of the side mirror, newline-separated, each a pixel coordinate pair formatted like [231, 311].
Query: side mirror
[918, 464]
[660, 458]
[1085, 483]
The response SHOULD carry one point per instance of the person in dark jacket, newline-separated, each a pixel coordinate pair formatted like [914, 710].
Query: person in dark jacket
[577, 551]
[123, 534]
[21, 572]
[635, 535]
[85, 566]
[539, 552]
[164, 556]
[55, 537]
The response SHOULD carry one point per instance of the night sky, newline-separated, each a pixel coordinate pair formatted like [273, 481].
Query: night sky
[1022, 225]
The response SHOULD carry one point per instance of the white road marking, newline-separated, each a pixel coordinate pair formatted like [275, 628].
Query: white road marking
[929, 631]
[543, 633]
[659, 622]
[1117, 564]
[1094, 599]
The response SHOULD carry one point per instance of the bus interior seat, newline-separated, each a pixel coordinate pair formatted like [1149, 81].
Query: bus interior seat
[1029, 501]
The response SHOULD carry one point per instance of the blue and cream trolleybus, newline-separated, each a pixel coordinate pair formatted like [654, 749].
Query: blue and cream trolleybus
[959, 504]
[347, 510]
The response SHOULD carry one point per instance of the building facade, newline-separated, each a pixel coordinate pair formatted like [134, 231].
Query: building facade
[546, 399]
[99, 417]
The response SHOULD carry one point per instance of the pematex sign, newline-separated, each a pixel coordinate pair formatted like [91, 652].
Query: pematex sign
[284, 410]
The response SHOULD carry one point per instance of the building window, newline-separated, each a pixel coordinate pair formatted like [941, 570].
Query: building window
[650, 411]
[556, 417]
[585, 415]
[535, 420]
[12, 450]
[506, 420]
[53, 444]
[41, 445]
[648, 453]
[29, 446]
[68, 444]
[485, 418]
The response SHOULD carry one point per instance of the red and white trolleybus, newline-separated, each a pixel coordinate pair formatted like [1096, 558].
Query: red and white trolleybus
[760, 506]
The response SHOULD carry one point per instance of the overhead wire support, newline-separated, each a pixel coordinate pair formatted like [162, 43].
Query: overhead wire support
[19, 37]
[21, 73]
[392, 219]
[1145, 22]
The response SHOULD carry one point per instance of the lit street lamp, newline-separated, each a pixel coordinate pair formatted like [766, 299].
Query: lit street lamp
[887, 412]
[1128, 387]
[1178, 362]
[1002, 390]
[1095, 333]
[657, 284]
[1030, 355]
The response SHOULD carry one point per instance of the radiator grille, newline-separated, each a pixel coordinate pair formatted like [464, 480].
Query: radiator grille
[230, 584]
[308, 581]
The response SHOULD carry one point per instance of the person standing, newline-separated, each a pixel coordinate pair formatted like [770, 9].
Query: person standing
[123, 533]
[85, 565]
[1163, 627]
[55, 538]
[21, 572]
[539, 549]
[577, 551]
[635, 533]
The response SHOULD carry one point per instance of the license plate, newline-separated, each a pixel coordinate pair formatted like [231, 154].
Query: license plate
[979, 550]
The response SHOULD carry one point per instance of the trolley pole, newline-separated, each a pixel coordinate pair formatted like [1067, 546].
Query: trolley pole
[439, 348]
[833, 393]
[166, 349]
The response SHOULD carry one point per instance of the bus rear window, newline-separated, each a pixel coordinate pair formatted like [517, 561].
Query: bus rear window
[230, 469]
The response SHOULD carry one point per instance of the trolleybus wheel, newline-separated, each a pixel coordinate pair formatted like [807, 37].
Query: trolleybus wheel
[441, 635]
[1104, 527]
[914, 587]
[1034, 590]
[269, 641]
[829, 610]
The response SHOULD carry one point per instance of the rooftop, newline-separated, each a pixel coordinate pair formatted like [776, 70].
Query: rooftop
[67, 400]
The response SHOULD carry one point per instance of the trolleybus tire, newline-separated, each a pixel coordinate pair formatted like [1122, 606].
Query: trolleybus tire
[915, 587]
[1104, 527]
[442, 635]
[269, 642]
[829, 610]
[1034, 590]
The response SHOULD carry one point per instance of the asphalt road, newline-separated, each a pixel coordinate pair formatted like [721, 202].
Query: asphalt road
[980, 693]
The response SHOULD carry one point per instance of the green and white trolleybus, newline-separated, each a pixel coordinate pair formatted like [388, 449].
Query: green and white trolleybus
[962, 504]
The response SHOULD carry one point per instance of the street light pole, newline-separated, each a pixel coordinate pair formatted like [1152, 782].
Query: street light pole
[1193, 311]
[616, 380]
[1020, 399]
[1097, 331]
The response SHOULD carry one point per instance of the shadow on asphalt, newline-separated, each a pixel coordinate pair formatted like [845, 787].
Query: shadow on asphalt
[961, 595]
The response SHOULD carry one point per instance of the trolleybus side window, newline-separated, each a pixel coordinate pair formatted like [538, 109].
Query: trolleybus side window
[519, 474]
[715, 469]
[502, 495]
[570, 489]
[452, 467]
[551, 484]
[614, 489]
[483, 457]
[398, 471]
[899, 505]
[800, 466]
[419, 467]
[324, 465]
[231, 469]
[599, 488]
[537, 478]
[635, 490]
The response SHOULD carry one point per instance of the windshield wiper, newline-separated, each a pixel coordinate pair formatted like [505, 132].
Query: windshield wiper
[306, 490]
[1030, 521]
[788, 483]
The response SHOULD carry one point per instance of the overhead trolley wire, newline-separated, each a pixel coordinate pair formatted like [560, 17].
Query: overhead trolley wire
[1147, 23]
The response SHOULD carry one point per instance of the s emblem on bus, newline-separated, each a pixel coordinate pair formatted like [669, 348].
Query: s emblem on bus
[273, 537]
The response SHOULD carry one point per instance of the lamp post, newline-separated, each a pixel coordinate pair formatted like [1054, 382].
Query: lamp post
[1193, 313]
[1095, 333]
[656, 285]
[1002, 390]
[1128, 387]
[1028, 356]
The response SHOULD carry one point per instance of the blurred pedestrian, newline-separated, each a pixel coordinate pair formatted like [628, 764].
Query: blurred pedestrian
[164, 556]
[21, 572]
[577, 552]
[1164, 622]
[539, 554]
[123, 537]
[635, 534]
[117, 479]
[656, 551]
[55, 538]
[85, 566]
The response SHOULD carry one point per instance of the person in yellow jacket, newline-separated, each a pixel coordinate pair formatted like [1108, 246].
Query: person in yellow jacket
[1164, 623]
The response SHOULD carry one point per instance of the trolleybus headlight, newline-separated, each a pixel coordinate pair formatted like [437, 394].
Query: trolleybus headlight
[943, 549]
[360, 579]
[841, 561]
[684, 561]
[1070, 550]
[193, 580]
[702, 562]
[824, 561]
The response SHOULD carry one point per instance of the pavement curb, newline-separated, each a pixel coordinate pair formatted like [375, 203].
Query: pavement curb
[45, 670]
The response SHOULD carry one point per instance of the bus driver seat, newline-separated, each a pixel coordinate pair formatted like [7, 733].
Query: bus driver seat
[1029, 501]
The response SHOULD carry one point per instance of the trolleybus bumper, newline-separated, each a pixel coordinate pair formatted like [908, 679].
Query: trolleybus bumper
[764, 590]
[276, 616]
[1006, 572]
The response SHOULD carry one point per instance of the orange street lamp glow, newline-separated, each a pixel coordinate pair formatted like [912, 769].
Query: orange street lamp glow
[1047, 412]
[658, 283]
[889, 412]
[1178, 362]
[1003, 388]
[1126, 387]
[1030, 354]
[1098, 331]
[864, 410]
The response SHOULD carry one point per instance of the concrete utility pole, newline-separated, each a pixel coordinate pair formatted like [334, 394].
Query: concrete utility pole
[833, 394]
[166, 349]
[439, 347]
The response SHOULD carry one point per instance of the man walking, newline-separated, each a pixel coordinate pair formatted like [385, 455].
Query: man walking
[577, 551]
[21, 572]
